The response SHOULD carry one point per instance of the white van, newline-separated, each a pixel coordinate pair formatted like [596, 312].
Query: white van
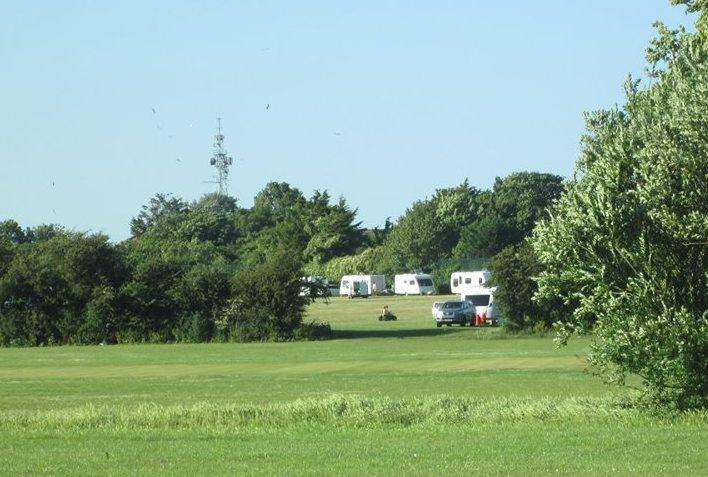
[361, 285]
[482, 298]
[414, 284]
[462, 282]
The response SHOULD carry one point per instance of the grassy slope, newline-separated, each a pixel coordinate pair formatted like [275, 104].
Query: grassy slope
[369, 360]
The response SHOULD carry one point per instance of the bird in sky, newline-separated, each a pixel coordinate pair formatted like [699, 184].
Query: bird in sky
[267, 106]
[52, 183]
[179, 160]
[153, 111]
[337, 133]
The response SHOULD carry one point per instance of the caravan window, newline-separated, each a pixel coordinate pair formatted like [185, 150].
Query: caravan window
[412, 282]
[468, 280]
[425, 282]
[455, 282]
[345, 284]
[479, 300]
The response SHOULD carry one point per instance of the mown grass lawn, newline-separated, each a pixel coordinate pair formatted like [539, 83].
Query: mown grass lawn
[366, 402]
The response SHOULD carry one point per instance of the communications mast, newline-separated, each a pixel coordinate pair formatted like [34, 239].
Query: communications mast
[221, 161]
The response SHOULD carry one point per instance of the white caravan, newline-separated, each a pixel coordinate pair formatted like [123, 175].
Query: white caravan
[474, 288]
[483, 301]
[414, 284]
[361, 285]
[462, 282]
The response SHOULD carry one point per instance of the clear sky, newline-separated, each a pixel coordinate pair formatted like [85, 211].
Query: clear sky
[379, 101]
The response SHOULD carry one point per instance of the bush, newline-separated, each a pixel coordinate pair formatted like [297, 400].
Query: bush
[371, 260]
[266, 303]
[513, 271]
[194, 328]
[54, 290]
[100, 318]
[313, 331]
[175, 289]
[627, 241]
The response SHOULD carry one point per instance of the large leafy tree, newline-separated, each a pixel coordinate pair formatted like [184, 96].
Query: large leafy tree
[415, 242]
[333, 232]
[628, 241]
[509, 213]
[163, 210]
[430, 229]
[277, 198]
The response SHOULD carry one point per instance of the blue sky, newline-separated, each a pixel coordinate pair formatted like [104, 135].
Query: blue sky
[379, 101]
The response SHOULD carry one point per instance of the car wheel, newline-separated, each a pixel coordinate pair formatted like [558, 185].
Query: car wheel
[462, 323]
[439, 325]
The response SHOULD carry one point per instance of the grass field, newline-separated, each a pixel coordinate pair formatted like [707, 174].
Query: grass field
[381, 398]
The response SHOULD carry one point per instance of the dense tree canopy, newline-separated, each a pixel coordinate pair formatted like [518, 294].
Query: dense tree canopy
[628, 240]
[60, 290]
[430, 229]
[160, 210]
[509, 213]
[174, 278]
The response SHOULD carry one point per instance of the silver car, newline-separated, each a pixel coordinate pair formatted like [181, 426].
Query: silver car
[453, 312]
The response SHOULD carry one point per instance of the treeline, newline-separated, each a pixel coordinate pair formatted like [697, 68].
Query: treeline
[212, 270]
[458, 228]
[200, 271]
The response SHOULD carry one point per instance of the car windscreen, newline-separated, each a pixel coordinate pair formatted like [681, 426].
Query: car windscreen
[425, 282]
[452, 305]
[479, 300]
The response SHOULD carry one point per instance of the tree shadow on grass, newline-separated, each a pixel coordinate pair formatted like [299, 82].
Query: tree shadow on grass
[415, 333]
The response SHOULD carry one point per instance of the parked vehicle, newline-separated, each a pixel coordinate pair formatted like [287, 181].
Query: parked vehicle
[413, 284]
[473, 286]
[485, 312]
[453, 312]
[361, 285]
[463, 282]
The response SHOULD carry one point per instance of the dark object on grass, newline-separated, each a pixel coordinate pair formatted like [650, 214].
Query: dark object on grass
[386, 315]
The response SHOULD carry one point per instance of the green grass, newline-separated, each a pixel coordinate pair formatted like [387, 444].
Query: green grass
[382, 397]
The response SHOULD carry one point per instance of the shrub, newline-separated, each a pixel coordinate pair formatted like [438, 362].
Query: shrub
[370, 260]
[100, 318]
[51, 287]
[266, 303]
[194, 328]
[313, 331]
[174, 288]
[513, 271]
[628, 239]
